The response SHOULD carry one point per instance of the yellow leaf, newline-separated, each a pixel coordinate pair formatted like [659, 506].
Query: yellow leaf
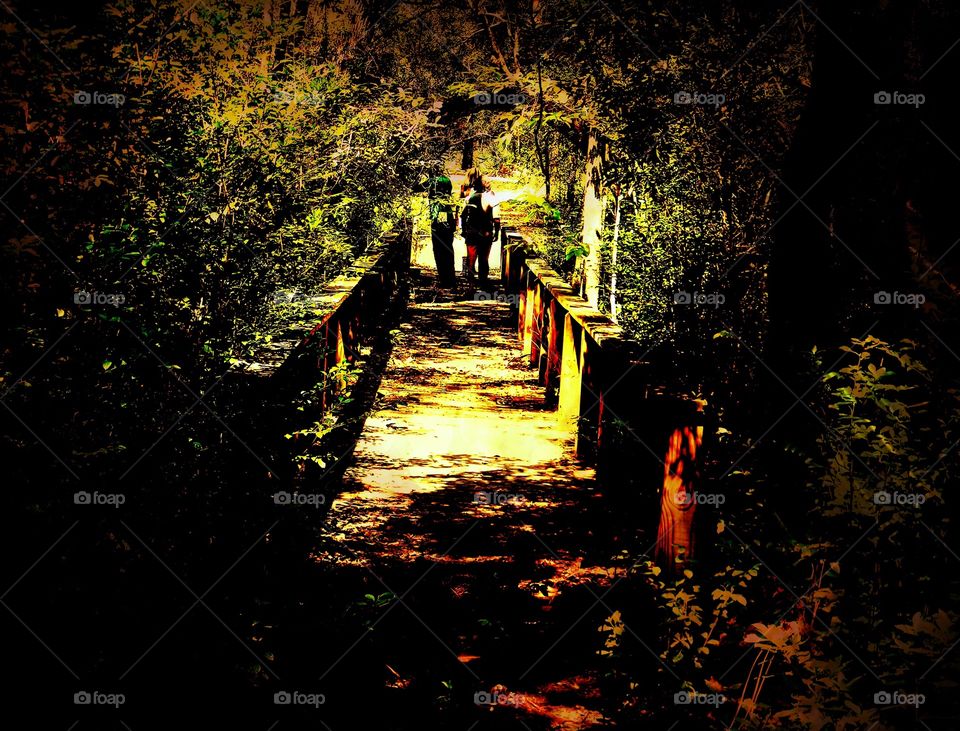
[714, 684]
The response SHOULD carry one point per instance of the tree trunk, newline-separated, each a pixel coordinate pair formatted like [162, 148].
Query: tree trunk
[593, 205]
[844, 242]
[613, 255]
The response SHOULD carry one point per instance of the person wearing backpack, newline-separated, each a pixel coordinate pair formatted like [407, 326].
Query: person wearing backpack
[480, 218]
[476, 224]
[443, 226]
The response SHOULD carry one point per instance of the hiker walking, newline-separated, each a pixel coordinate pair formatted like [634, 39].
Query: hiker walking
[479, 220]
[443, 226]
[476, 224]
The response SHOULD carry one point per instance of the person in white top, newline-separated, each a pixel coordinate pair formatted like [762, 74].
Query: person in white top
[479, 220]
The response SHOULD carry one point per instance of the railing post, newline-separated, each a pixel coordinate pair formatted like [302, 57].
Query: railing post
[521, 307]
[676, 537]
[504, 257]
[568, 406]
[337, 349]
[512, 258]
[323, 362]
[529, 313]
[536, 325]
[588, 424]
[616, 368]
[551, 370]
[406, 236]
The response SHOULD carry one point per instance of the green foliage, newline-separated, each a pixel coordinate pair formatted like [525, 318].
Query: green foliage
[242, 164]
[371, 606]
[693, 633]
[845, 604]
[325, 401]
[885, 433]
[882, 432]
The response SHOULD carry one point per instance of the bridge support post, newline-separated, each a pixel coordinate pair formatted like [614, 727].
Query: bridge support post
[529, 319]
[612, 434]
[406, 240]
[512, 258]
[568, 406]
[591, 364]
[549, 347]
[522, 305]
[602, 370]
[536, 324]
[676, 532]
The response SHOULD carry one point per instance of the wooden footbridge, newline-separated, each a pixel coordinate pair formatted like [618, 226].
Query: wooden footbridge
[514, 433]
[485, 390]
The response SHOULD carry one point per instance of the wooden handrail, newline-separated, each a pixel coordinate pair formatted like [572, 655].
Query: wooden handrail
[350, 305]
[602, 384]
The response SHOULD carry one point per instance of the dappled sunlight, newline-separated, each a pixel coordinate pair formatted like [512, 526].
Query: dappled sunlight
[462, 470]
[481, 366]
[460, 434]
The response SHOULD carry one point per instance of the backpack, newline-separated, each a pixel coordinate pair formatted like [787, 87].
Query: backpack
[474, 221]
[441, 212]
[442, 215]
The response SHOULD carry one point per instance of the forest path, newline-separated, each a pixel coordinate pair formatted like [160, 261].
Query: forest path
[462, 508]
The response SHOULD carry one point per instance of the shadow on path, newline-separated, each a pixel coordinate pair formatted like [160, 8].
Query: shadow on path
[476, 547]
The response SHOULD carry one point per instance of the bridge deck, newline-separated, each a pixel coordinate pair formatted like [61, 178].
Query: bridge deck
[462, 502]
[460, 420]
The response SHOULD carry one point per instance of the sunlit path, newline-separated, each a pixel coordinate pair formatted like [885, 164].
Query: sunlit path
[462, 485]
[460, 424]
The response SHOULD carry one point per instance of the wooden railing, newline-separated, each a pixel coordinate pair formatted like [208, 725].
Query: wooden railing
[642, 439]
[352, 305]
